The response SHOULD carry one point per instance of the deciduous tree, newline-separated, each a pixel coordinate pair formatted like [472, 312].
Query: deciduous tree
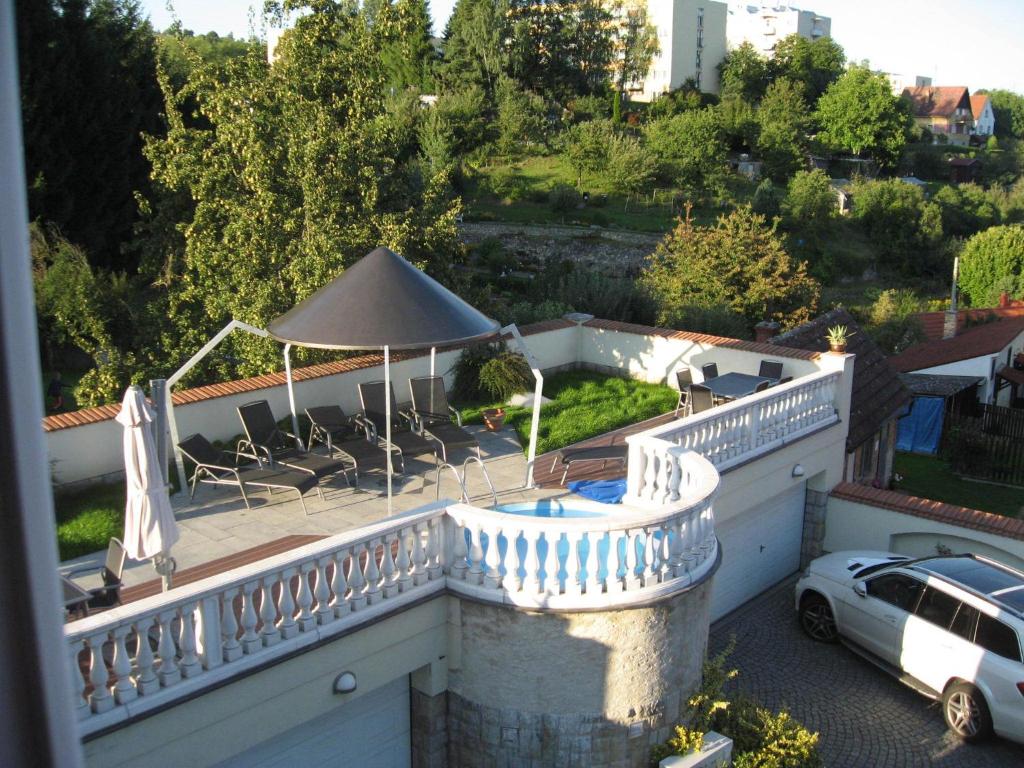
[783, 120]
[690, 148]
[992, 262]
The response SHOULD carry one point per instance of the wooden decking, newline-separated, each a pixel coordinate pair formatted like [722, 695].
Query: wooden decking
[545, 477]
[220, 565]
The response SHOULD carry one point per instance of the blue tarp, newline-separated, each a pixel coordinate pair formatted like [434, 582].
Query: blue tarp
[921, 429]
[605, 491]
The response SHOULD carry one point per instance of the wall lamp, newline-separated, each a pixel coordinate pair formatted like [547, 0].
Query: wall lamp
[345, 683]
[798, 470]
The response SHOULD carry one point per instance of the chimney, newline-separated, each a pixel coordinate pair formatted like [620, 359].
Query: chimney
[950, 318]
[1004, 300]
[766, 330]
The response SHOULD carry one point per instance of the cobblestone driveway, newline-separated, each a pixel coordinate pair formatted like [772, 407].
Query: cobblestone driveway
[866, 718]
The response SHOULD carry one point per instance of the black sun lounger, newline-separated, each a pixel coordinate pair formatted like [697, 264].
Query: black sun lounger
[268, 441]
[403, 439]
[218, 468]
[438, 420]
[330, 426]
[604, 453]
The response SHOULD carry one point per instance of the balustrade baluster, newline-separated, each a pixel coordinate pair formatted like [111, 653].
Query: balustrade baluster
[189, 665]
[304, 597]
[230, 648]
[675, 547]
[459, 566]
[324, 609]
[632, 580]
[476, 556]
[356, 582]
[168, 671]
[372, 573]
[146, 680]
[650, 474]
[574, 578]
[435, 557]
[339, 602]
[595, 584]
[419, 557]
[268, 613]
[552, 579]
[286, 625]
[77, 681]
[250, 640]
[492, 559]
[531, 562]
[617, 541]
[124, 691]
[100, 698]
[389, 573]
[404, 575]
[648, 564]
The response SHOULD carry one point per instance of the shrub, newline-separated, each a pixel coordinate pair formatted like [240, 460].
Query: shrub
[505, 375]
[563, 197]
[993, 261]
[507, 184]
[767, 201]
[466, 386]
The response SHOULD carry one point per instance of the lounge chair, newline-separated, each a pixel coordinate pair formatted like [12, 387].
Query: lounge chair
[684, 378]
[603, 453]
[763, 386]
[701, 398]
[404, 440]
[436, 418]
[770, 369]
[270, 443]
[113, 567]
[710, 371]
[219, 468]
[330, 426]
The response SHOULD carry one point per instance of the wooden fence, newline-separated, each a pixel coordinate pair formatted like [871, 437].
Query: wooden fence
[987, 446]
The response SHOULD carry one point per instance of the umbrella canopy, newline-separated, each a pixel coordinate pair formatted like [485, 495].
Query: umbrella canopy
[149, 525]
[381, 301]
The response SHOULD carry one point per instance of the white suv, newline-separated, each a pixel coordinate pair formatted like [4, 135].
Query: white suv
[949, 627]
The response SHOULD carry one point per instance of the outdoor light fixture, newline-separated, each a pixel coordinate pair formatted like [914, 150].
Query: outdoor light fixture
[345, 682]
[798, 470]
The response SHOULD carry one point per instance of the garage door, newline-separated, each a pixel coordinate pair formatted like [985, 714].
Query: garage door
[371, 731]
[761, 547]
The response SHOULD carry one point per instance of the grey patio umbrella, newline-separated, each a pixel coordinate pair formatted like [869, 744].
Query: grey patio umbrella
[380, 302]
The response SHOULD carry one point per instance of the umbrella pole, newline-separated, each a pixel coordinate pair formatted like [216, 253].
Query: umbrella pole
[291, 393]
[387, 416]
[433, 356]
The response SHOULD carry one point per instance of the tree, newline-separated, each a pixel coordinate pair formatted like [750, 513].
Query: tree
[520, 117]
[809, 215]
[767, 201]
[992, 262]
[474, 52]
[739, 123]
[586, 147]
[744, 73]
[783, 119]
[904, 228]
[859, 114]
[689, 148]
[1008, 108]
[966, 209]
[893, 324]
[812, 65]
[408, 54]
[738, 264]
[305, 167]
[636, 43]
[88, 92]
[630, 169]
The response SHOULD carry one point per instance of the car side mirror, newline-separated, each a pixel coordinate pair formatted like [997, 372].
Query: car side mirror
[860, 589]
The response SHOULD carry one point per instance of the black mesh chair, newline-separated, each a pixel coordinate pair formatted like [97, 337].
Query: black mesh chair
[684, 378]
[770, 369]
[710, 371]
[113, 568]
[701, 398]
[761, 387]
[267, 441]
[436, 418]
[404, 441]
[329, 425]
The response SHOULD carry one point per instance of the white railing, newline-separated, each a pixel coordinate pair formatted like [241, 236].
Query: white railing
[730, 434]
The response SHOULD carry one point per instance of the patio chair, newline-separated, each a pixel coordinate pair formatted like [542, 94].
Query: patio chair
[785, 380]
[701, 398]
[113, 567]
[269, 442]
[436, 418]
[770, 369]
[221, 468]
[710, 371]
[404, 441]
[684, 378]
[763, 386]
[330, 426]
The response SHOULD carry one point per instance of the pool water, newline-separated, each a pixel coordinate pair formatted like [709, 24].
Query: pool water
[547, 508]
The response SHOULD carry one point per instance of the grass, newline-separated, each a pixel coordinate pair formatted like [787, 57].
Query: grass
[931, 478]
[88, 518]
[584, 404]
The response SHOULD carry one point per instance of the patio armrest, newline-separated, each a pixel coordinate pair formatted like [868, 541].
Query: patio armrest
[256, 449]
[82, 569]
[457, 416]
[367, 426]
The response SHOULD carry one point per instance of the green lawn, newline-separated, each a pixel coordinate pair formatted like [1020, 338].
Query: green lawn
[931, 478]
[87, 519]
[584, 404]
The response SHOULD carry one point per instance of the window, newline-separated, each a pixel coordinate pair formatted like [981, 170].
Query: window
[963, 624]
[896, 589]
[993, 635]
[937, 607]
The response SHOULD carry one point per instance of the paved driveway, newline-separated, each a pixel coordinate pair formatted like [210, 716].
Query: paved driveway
[866, 718]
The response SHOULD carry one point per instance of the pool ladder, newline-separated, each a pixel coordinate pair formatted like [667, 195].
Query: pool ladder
[461, 478]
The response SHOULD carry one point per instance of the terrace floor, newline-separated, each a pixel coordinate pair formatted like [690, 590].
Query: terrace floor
[218, 533]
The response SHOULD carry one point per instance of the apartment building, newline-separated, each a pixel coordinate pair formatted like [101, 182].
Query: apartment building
[764, 25]
[691, 43]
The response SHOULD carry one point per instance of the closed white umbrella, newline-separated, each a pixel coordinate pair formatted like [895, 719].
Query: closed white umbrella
[150, 529]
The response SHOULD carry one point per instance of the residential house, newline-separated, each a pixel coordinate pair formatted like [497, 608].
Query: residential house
[976, 343]
[899, 82]
[876, 403]
[763, 25]
[943, 110]
[964, 170]
[691, 45]
[984, 117]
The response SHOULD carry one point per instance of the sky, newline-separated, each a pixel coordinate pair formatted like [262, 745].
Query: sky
[976, 44]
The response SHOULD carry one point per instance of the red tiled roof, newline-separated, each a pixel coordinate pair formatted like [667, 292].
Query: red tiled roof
[932, 510]
[222, 389]
[937, 101]
[703, 338]
[933, 322]
[978, 340]
[978, 102]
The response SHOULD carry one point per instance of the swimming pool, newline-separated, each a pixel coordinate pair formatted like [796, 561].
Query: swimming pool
[551, 508]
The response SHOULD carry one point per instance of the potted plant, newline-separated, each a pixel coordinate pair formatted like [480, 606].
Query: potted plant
[837, 337]
[494, 418]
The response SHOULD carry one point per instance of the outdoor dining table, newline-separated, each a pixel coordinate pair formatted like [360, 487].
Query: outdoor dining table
[731, 386]
[75, 598]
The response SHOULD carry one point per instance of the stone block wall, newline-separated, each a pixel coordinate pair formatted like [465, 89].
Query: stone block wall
[429, 722]
[815, 509]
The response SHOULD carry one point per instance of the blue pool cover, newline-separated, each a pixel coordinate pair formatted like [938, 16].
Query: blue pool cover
[605, 491]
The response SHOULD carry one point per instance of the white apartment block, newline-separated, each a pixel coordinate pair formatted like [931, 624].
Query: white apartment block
[764, 25]
[691, 41]
[900, 82]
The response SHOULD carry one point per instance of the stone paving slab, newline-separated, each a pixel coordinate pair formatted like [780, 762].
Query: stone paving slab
[866, 718]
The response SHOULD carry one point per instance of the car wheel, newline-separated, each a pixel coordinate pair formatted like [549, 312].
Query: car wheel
[966, 712]
[817, 620]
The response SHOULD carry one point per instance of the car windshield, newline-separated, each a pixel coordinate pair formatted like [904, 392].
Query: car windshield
[876, 567]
